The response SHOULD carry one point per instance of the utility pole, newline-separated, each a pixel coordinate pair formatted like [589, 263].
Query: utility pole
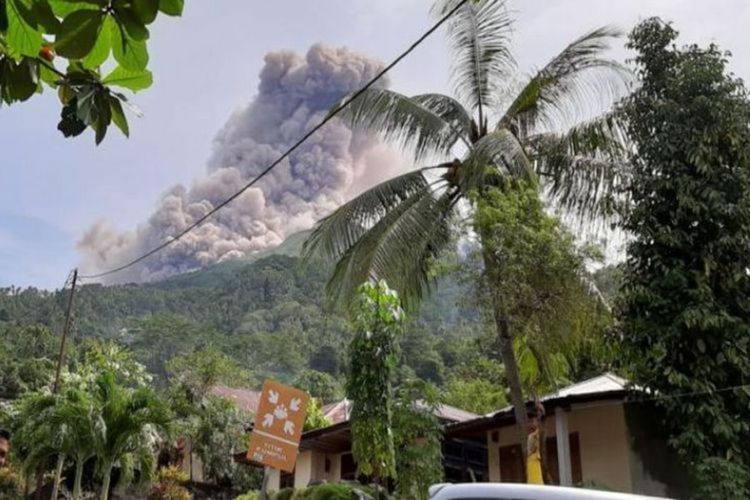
[55, 390]
[66, 331]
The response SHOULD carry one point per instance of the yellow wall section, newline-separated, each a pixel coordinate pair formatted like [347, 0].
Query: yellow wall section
[603, 439]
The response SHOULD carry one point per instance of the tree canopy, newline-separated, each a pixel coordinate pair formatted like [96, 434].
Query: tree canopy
[67, 46]
[685, 305]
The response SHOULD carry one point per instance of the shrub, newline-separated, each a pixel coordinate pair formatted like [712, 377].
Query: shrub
[169, 487]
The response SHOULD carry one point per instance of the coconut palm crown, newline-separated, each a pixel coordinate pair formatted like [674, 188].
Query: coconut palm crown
[547, 127]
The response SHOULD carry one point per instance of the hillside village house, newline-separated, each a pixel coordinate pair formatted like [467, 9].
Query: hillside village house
[594, 437]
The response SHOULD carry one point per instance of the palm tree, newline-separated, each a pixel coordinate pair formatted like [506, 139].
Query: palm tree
[62, 425]
[547, 130]
[130, 418]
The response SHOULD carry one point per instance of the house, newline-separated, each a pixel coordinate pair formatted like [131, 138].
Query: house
[596, 435]
[325, 454]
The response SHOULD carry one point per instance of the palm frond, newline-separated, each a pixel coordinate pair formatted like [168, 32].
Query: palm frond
[502, 149]
[399, 248]
[452, 112]
[603, 135]
[584, 187]
[338, 232]
[577, 82]
[479, 33]
[404, 122]
[584, 169]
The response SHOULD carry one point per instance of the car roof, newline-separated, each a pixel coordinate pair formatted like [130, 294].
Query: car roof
[516, 491]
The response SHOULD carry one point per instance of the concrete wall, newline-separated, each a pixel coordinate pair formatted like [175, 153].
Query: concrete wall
[603, 438]
[304, 469]
[274, 480]
[311, 466]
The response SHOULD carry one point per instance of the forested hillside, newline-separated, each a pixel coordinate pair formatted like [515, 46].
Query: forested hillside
[268, 313]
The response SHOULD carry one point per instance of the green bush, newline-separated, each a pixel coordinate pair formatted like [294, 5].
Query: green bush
[721, 479]
[328, 491]
[250, 495]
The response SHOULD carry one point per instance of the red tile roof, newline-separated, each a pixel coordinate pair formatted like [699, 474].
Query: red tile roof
[245, 399]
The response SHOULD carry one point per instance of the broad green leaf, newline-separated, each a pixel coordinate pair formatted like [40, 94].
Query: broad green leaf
[118, 116]
[70, 125]
[103, 115]
[48, 76]
[3, 17]
[103, 44]
[25, 10]
[131, 54]
[86, 111]
[44, 16]
[171, 7]
[78, 33]
[24, 80]
[133, 26]
[146, 10]
[64, 7]
[22, 38]
[66, 94]
[134, 80]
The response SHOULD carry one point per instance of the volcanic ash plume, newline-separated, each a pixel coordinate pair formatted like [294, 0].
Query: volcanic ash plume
[294, 94]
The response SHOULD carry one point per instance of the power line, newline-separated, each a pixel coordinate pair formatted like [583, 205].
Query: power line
[286, 154]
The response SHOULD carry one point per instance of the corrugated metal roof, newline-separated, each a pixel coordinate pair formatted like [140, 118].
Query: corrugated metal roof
[608, 382]
[599, 385]
[453, 414]
[337, 411]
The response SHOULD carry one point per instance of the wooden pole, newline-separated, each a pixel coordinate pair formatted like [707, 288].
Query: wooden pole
[56, 389]
[66, 332]
[264, 484]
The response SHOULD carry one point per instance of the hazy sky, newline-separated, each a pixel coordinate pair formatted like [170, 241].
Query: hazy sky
[206, 65]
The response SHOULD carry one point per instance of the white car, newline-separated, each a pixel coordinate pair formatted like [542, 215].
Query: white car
[515, 491]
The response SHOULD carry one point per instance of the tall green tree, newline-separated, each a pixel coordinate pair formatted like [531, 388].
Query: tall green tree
[34, 34]
[532, 131]
[378, 322]
[65, 425]
[417, 437]
[129, 420]
[686, 292]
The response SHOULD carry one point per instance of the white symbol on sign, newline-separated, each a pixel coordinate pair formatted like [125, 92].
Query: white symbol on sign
[294, 404]
[280, 412]
[289, 427]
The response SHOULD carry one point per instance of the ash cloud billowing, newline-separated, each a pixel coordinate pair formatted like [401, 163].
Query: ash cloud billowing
[294, 94]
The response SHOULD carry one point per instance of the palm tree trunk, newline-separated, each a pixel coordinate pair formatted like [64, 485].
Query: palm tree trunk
[58, 475]
[505, 339]
[77, 483]
[105, 481]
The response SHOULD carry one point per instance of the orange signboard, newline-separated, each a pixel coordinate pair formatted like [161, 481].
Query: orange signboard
[278, 426]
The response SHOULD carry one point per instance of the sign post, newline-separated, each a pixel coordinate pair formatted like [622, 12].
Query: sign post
[278, 428]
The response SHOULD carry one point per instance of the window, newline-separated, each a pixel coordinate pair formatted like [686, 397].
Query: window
[348, 467]
[287, 480]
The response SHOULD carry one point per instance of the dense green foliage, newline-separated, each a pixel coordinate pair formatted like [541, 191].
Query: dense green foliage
[322, 492]
[93, 418]
[417, 436]
[34, 33]
[686, 293]
[267, 316]
[378, 322]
